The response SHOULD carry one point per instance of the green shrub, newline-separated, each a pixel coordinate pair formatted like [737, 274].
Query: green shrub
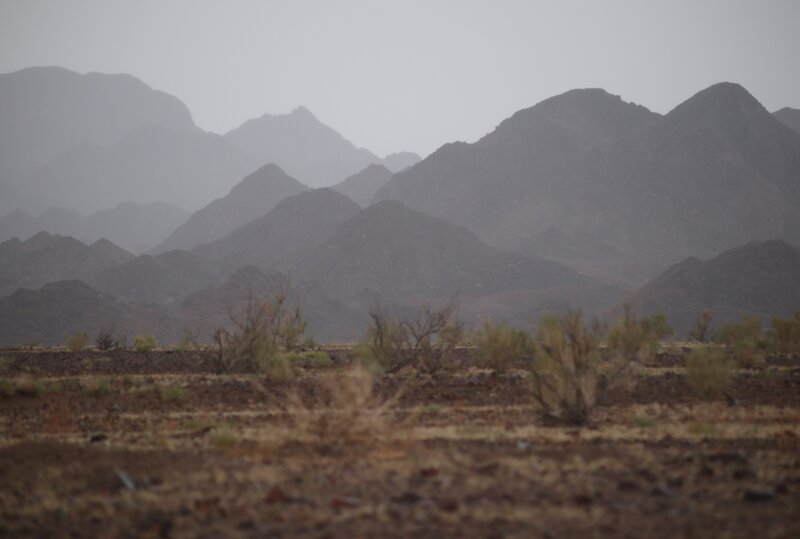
[709, 371]
[264, 332]
[636, 339]
[29, 387]
[6, 388]
[786, 335]
[564, 372]
[97, 387]
[144, 343]
[742, 342]
[315, 358]
[501, 347]
[78, 341]
[171, 392]
[426, 340]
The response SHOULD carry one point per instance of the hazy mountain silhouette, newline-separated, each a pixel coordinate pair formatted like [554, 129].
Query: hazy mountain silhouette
[295, 226]
[50, 314]
[165, 278]
[251, 198]
[400, 252]
[757, 279]
[147, 164]
[134, 227]
[46, 110]
[45, 258]
[716, 171]
[329, 319]
[306, 148]
[789, 117]
[362, 186]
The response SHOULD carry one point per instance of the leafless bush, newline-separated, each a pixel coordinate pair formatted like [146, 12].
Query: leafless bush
[107, 339]
[701, 330]
[263, 332]
[564, 373]
[426, 340]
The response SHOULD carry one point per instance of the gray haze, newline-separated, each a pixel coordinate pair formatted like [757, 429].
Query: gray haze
[411, 75]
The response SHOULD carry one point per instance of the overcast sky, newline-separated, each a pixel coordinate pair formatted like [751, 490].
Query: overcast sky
[412, 75]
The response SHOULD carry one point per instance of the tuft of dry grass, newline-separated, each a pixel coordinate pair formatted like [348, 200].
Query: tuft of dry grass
[352, 422]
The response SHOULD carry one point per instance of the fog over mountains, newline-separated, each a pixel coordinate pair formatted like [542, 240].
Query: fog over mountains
[581, 201]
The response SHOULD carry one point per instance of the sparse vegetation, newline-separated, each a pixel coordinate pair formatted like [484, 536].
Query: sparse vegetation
[564, 372]
[29, 387]
[171, 392]
[264, 332]
[106, 339]
[6, 388]
[97, 387]
[701, 332]
[786, 335]
[709, 371]
[144, 343]
[426, 340]
[352, 422]
[501, 347]
[742, 342]
[636, 339]
[77, 342]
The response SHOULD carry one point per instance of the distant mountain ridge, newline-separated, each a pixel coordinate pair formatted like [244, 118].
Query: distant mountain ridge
[251, 198]
[586, 162]
[760, 279]
[134, 227]
[789, 117]
[362, 186]
[307, 149]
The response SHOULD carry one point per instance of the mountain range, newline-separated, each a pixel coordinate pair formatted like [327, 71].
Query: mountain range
[715, 172]
[580, 201]
[134, 227]
[88, 142]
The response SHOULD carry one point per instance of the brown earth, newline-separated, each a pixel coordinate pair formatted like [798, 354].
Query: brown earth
[155, 445]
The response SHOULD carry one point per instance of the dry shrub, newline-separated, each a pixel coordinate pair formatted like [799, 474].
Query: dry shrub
[709, 371]
[107, 339]
[263, 333]
[636, 339]
[144, 343]
[352, 421]
[426, 340]
[77, 342]
[565, 368]
[701, 330]
[786, 335]
[742, 342]
[501, 347]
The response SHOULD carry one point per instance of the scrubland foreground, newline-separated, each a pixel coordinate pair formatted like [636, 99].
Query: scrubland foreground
[157, 444]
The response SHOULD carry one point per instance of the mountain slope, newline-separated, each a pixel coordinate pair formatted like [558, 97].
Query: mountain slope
[46, 110]
[362, 186]
[146, 165]
[400, 252]
[517, 180]
[586, 163]
[275, 241]
[757, 279]
[251, 198]
[306, 148]
[789, 117]
[45, 258]
[134, 227]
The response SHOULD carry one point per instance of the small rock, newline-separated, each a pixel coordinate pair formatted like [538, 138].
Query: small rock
[126, 480]
[447, 504]
[429, 472]
[407, 497]
[98, 437]
[627, 485]
[661, 492]
[345, 502]
[756, 494]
